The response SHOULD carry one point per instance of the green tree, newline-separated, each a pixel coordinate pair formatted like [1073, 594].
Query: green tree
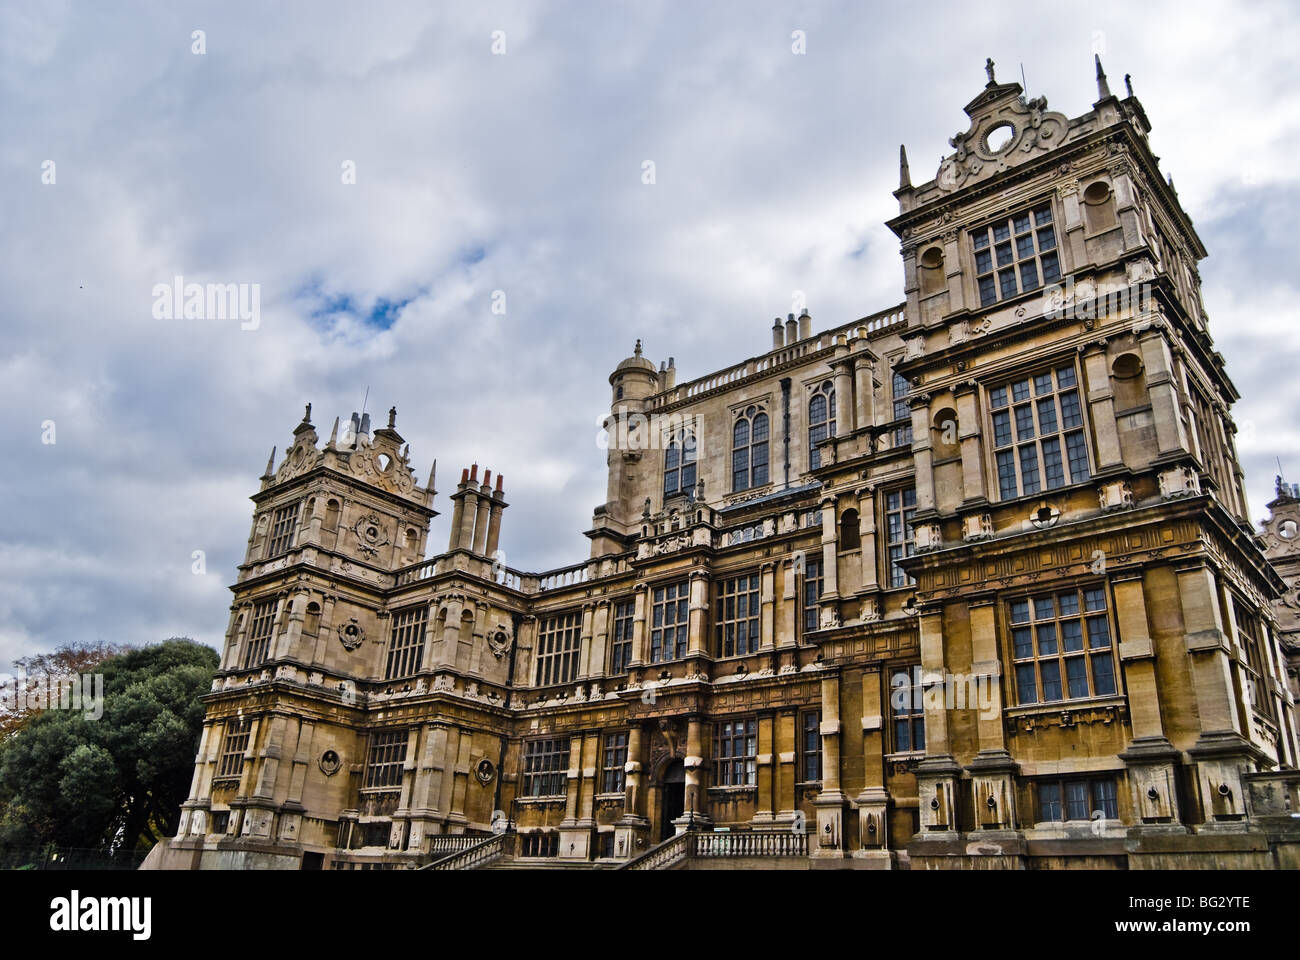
[112, 784]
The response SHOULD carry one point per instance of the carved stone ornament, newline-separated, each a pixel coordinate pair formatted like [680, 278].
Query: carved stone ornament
[330, 763]
[351, 634]
[485, 771]
[370, 535]
[499, 641]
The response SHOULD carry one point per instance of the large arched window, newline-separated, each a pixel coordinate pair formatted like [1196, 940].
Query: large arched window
[679, 463]
[749, 450]
[821, 421]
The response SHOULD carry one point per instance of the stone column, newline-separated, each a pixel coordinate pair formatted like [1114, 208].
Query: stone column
[1221, 751]
[585, 630]
[830, 802]
[631, 831]
[992, 771]
[1101, 407]
[593, 663]
[873, 801]
[697, 634]
[867, 534]
[787, 766]
[790, 625]
[1150, 758]
[640, 635]
[938, 773]
[864, 388]
[921, 453]
[767, 770]
[450, 643]
[1171, 434]
[970, 438]
[830, 549]
[845, 410]
[767, 608]
[697, 807]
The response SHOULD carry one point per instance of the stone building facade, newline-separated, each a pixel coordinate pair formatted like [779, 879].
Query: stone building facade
[968, 582]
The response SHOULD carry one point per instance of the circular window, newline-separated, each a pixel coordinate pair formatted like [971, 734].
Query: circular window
[1287, 530]
[999, 138]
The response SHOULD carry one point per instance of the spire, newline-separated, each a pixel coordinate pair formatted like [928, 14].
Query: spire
[270, 464]
[1103, 88]
[334, 435]
[432, 471]
[1128, 83]
[904, 174]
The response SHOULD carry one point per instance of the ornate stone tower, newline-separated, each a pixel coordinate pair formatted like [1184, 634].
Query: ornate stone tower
[330, 525]
[1281, 535]
[631, 451]
[1075, 466]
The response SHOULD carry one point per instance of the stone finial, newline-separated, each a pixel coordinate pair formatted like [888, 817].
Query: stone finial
[270, 463]
[1103, 88]
[904, 174]
[1128, 83]
[637, 351]
[306, 417]
[988, 68]
[392, 417]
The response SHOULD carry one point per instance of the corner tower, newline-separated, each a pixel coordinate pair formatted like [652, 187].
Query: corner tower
[1082, 544]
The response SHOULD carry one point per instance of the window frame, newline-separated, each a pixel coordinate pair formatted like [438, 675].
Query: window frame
[386, 759]
[749, 449]
[410, 624]
[910, 718]
[998, 269]
[679, 457]
[1061, 433]
[732, 769]
[810, 758]
[902, 432]
[1095, 786]
[908, 542]
[234, 746]
[621, 632]
[812, 611]
[257, 645]
[559, 643]
[744, 589]
[678, 631]
[822, 428]
[283, 529]
[546, 765]
[1060, 676]
[613, 759]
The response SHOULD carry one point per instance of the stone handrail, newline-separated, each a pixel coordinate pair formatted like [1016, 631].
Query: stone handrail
[663, 855]
[752, 843]
[476, 855]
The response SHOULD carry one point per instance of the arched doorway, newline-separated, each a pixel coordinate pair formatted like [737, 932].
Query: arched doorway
[672, 803]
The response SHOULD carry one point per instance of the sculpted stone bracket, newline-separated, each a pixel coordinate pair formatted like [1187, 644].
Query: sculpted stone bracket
[1067, 718]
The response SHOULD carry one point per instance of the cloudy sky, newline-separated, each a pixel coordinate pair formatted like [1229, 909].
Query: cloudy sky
[518, 172]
